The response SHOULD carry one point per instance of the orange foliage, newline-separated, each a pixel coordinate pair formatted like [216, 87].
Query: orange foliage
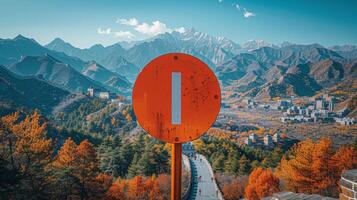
[164, 181]
[345, 158]
[260, 131]
[138, 188]
[31, 136]
[283, 135]
[262, 183]
[152, 186]
[28, 148]
[104, 180]
[81, 162]
[117, 191]
[316, 168]
[67, 155]
[234, 190]
[113, 121]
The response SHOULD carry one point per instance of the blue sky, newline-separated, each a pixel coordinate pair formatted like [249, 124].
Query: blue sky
[84, 23]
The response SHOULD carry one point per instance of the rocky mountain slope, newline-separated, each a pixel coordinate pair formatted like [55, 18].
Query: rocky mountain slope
[28, 92]
[213, 50]
[298, 70]
[54, 71]
[63, 70]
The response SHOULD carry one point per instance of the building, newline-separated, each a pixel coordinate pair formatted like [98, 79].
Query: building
[283, 104]
[293, 110]
[342, 113]
[320, 104]
[277, 137]
[268, 140]
[265, 142]
[311, 107]
[225, 105]
[324, 103]
[248, 141]
[297, 118]
[284, 119]
[93, 92]
[302, 112]
[253, 137]
[330, 105]
[107, 95]
[188, 149]
[104, 95]
[346, 121]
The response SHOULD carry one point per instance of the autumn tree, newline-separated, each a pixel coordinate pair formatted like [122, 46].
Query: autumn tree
[316, 167]
[29, 150]
[9, 174]
[103, 182]
[320, 167]
[153, 190]
[163, 181]
[87, 168]
[262, 183]
[296, 172]
[345, 158]
[7, 138]
[136, 189]
[76, 168]
[117, 191]
[139, 188]
[65, 166]
[235, 189]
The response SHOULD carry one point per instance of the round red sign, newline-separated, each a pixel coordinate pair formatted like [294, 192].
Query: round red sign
[176, 98]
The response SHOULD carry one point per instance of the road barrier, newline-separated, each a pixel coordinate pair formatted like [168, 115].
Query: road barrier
[188, 164]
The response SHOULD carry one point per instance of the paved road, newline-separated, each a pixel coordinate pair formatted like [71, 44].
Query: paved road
[205, 184]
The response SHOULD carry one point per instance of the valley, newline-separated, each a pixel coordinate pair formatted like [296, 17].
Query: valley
[257, 71]
[275, 98]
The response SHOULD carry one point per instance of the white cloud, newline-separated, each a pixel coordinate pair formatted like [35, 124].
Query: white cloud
[129, 22]
[247, 14]
[152, 29]
[156, 28]
[180, 30]
[220, 1]
[104, 31]
[244, 11]
[124, 35]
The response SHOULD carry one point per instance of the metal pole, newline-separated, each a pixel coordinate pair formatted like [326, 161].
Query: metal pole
[176, 169]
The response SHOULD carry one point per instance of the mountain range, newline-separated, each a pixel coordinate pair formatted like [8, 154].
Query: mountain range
[256, 68]
[26, 57]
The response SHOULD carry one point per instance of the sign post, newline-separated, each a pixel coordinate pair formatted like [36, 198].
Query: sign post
[176, 99]
[176, 171]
